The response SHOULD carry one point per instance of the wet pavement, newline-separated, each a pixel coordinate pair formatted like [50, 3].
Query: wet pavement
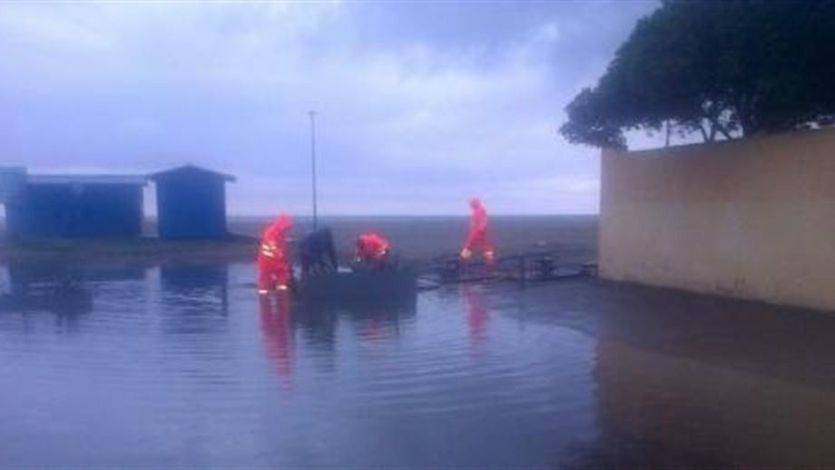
[184, 365]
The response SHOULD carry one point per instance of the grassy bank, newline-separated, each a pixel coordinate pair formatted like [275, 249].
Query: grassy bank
[143, 250]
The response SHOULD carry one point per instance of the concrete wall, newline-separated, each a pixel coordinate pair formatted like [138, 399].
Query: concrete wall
[753, 218]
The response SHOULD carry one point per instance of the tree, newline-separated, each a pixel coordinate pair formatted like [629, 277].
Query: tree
[721, 69]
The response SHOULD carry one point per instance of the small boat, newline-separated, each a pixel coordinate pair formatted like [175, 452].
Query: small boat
[391, 285]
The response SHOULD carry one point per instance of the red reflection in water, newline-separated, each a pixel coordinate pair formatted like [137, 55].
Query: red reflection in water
[277, 332]
[477, 314]
[372, 330]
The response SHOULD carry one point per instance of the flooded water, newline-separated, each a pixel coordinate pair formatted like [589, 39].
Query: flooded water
[183, 365]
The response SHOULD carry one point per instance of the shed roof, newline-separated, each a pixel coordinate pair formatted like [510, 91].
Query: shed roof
[87, 179]
[190, 169]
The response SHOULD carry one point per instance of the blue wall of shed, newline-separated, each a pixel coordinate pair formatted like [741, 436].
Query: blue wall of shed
[191, 205]
[68, 210]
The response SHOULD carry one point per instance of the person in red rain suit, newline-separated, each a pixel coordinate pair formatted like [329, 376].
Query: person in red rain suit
[477, 239]
[372, 250]
[273, 257]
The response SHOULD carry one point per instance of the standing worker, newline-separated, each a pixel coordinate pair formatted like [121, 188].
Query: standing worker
[477, 238]
[273, 257]
[373, 250]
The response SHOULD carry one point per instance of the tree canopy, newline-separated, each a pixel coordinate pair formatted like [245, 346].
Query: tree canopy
[721, 69]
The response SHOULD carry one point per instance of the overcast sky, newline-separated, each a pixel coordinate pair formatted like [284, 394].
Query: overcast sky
[420, 104]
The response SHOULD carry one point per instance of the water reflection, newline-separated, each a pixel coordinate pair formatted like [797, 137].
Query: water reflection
[202, 287]
[195, 298]
[318, 325]
[369, 319]
[189, 365]
[719, 382]
[5, 280]
[477, 313]
[277, 332]
[375, 322]
[695, 381]
[32, 288]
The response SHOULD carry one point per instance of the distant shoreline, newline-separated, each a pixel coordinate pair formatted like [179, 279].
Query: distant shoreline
[415, 239]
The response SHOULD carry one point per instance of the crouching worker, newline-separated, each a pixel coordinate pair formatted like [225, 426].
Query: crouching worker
[317, 253]
[274, 266]
[373, 251]
[477, 239]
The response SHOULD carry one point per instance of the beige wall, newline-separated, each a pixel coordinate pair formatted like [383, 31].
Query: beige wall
[752, 218]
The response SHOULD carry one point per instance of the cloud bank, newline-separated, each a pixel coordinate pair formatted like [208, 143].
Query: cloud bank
[420, 104]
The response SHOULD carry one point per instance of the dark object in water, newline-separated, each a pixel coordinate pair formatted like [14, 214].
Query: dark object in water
[359, 286]
[317, 253]
[589, 269]
[544, 268]
[524, 267]
[451, 269]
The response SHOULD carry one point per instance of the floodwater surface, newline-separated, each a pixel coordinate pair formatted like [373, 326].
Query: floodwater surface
[185, 365]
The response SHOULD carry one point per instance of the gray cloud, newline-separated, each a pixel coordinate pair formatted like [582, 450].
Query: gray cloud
[421, 104]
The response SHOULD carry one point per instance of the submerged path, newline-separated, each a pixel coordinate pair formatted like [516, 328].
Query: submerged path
[180, 364]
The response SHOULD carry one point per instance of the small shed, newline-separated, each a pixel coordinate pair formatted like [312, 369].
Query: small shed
[191, 202]
[72, 205]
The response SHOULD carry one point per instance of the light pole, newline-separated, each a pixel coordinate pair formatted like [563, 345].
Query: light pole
[313, 163]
